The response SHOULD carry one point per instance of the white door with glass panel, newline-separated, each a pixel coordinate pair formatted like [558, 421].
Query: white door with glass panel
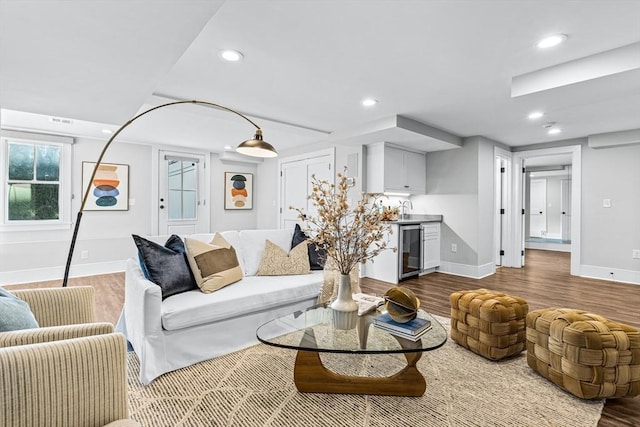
[182, 205]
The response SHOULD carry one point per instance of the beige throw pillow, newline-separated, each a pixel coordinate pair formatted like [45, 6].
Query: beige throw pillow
[277, 262]
[214, 265]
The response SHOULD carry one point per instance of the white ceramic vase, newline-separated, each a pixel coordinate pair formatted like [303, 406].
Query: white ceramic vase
[344, 308]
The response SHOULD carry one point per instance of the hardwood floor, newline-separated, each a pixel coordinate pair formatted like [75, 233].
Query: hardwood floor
[544, 282]
[109, 291]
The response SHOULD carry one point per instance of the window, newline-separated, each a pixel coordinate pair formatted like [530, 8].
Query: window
[183, 189]
[35, 185]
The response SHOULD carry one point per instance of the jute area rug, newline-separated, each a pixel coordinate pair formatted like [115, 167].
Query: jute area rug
[254, 387]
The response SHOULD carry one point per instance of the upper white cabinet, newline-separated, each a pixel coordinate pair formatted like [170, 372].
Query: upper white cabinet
[394, 169]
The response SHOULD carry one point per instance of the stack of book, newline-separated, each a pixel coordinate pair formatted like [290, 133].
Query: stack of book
[411, 330]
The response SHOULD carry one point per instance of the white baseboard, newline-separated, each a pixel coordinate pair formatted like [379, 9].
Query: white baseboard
[612, 274]
[56, 273]
[466, 270]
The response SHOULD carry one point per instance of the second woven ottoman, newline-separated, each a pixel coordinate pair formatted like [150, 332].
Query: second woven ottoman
[584, 353]
[489, 323]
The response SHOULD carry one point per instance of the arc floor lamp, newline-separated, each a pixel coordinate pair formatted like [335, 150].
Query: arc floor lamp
[255, 147]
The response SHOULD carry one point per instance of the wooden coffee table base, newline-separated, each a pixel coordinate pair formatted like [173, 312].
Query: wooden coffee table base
[311, 376]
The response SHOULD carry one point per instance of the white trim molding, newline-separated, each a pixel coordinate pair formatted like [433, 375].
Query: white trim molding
[576, 196]
[466, 270]
[55, 273]
[611, 274]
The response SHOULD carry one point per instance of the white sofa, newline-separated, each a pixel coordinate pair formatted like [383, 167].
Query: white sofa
[193, 326]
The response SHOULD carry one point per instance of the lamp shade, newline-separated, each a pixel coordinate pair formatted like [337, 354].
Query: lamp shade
[257, 147]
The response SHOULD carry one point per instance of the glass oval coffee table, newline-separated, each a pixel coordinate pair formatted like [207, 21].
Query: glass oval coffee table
[312, 332]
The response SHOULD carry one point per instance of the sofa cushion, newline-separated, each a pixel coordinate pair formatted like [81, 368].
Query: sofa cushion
[253, 246]
[251, 294]
[317, 255]
[214, 265]
[276, 261]
[167, 265]
[16, 314]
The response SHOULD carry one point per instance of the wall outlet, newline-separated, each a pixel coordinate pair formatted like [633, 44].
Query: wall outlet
[84, 254]
[606, 203]
[454, 247]
[635, 254]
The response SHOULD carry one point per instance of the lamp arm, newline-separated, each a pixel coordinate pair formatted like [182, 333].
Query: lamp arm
[104, 150]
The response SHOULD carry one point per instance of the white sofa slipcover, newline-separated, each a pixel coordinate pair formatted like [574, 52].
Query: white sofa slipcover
[193, 326]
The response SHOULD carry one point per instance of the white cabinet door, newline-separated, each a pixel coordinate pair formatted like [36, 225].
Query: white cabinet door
[415, 172]
[430, 245]
[385, 266]
[394, 169]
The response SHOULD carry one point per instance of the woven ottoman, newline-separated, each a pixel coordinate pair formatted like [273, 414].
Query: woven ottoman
[489, 323]
[586, 354]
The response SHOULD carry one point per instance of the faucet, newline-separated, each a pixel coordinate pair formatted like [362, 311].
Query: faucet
[403, 206]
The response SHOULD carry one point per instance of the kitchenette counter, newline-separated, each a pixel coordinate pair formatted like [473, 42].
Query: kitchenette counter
[416, 219]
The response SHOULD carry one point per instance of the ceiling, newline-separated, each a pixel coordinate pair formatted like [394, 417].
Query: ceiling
[446, 65]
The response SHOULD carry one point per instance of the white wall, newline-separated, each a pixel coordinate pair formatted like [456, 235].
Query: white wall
[610, 234]
[460, 187]
[267, 194]
[106, 236]
[452, 191]
[221, 219]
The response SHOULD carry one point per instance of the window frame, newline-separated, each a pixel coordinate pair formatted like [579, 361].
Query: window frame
[65, 182]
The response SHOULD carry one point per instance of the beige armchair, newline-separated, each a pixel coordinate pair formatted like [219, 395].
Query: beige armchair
[71, 371]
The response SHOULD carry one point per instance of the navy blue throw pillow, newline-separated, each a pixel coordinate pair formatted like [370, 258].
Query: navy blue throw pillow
[166, 266]
[317, 255]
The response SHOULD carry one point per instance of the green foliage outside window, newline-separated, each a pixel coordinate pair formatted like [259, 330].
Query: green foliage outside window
[33, 187]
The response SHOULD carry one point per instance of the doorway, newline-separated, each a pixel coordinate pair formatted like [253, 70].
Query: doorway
[502, 204]
[527, 161]
[548, 204]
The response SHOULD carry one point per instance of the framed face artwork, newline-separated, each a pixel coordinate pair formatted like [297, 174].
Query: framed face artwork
[109, 190]
[238, 190]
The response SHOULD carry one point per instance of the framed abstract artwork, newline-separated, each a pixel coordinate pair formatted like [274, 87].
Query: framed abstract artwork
[238, 190]
[109, 188]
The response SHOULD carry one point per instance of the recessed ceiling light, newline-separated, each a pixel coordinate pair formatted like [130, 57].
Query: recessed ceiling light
[369, 102]
[551, 41]
[228, 147]
[551, 128]
[231, 55]
[535, 115]
[107, 131]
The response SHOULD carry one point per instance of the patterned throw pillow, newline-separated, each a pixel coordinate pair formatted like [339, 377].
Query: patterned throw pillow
[277, 262]
[166, 266]
[214, 265]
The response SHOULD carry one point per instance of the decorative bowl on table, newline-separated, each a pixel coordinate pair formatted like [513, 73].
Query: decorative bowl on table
[401, 304]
